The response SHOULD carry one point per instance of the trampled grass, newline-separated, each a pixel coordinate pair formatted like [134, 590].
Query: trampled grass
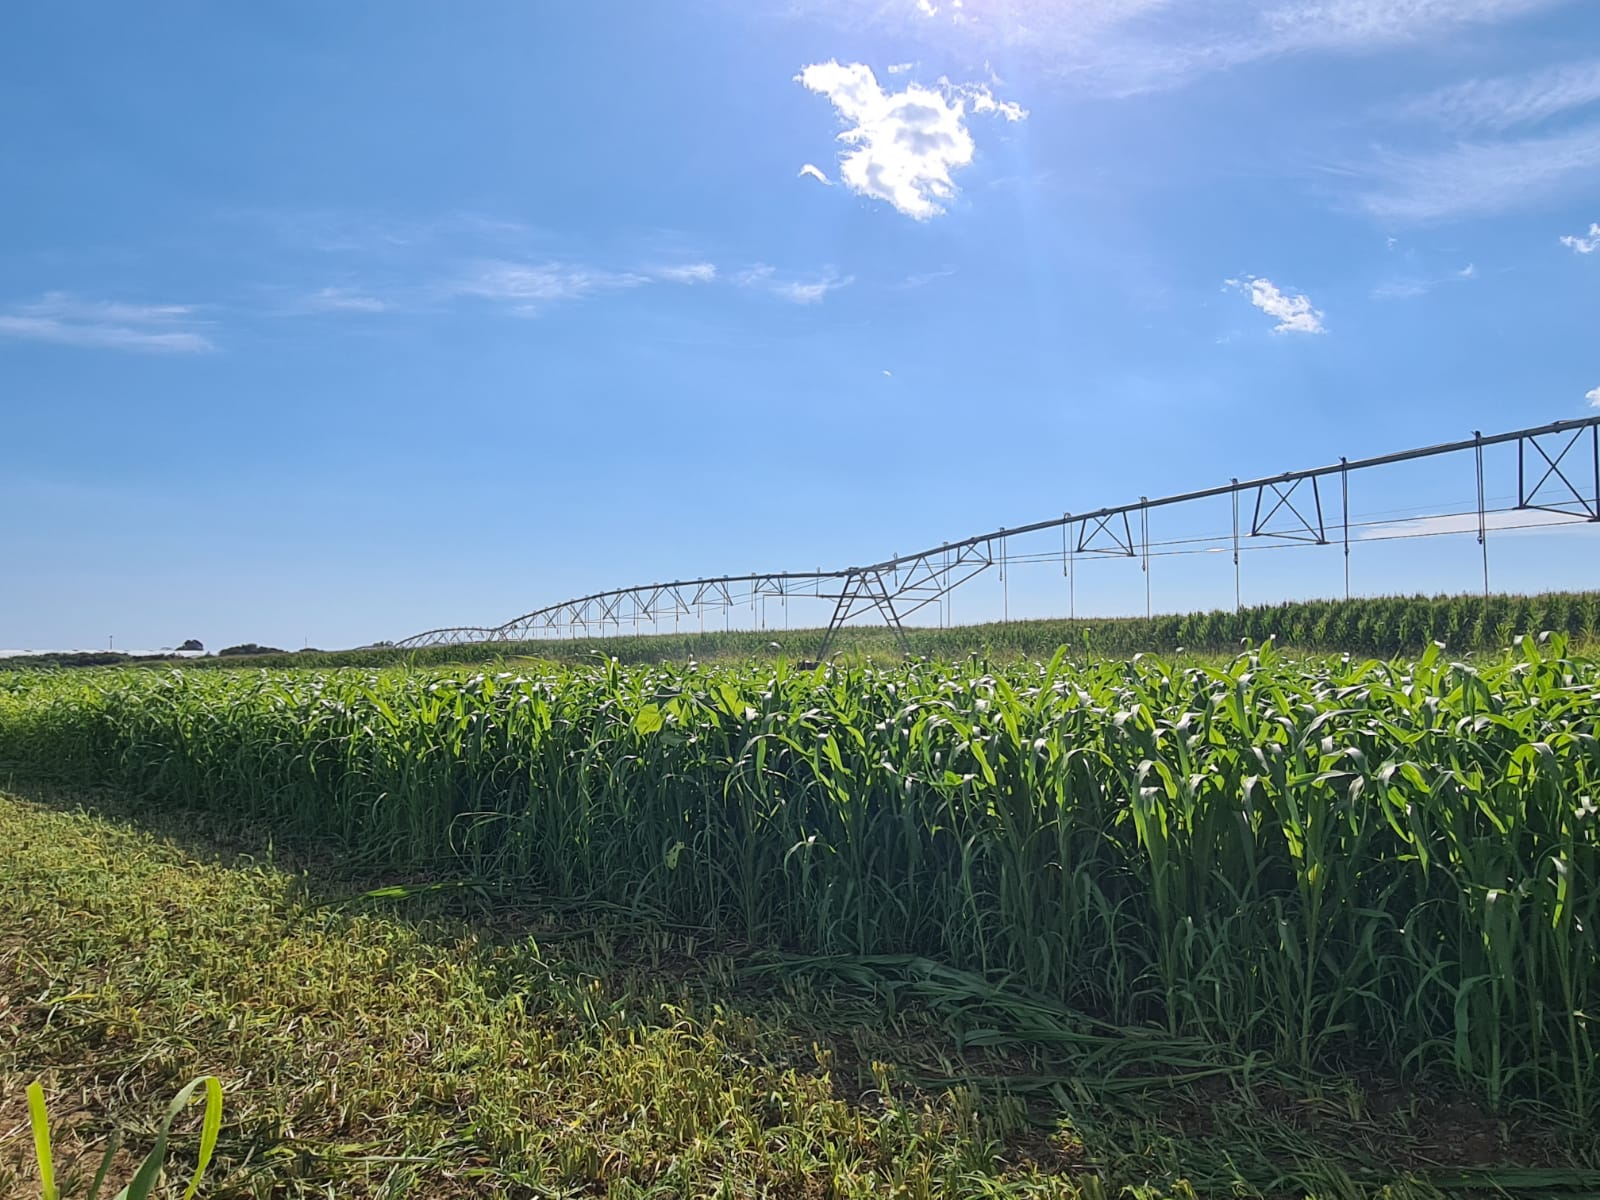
[366, 1055]
[440, 1042]
[1338, 862]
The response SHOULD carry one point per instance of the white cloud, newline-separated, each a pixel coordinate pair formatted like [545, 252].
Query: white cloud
[763, 277]
[1409, 286]
[528, 289]
[803, 293]
[1593, 397]
[815, 172]
[1402, 289]
[341, 299]
[812, 291]
[900, 68]
[903, 145]
[700, 272]
[1584, 245]
[65, 320]
[522, 288]
[923, 278]
[1479, 178]
[1510, 100]
[1294, 312]
[983, 100]
[531, 287]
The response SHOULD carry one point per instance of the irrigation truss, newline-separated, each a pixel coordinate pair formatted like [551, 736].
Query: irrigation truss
[1557, 472]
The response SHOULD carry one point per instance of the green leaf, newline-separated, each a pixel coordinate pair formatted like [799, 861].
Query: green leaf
[149, 1172]
[112, 1143]
[210, 1127]
[648, 720]
[41, 1140]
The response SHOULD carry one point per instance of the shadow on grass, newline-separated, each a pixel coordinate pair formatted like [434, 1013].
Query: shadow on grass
[1060, 1092]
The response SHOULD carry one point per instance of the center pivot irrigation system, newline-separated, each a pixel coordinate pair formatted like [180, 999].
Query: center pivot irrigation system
[1558, 471]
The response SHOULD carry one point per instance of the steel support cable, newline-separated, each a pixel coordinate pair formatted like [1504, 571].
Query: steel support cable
[1375, 519]
[1260, 542]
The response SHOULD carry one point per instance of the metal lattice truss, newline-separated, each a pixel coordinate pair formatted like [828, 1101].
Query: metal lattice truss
[1558, 470]
[1293, 525]
[1554, 490]
[630, 609]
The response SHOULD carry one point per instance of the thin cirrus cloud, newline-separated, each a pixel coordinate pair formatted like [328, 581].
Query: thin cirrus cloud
[1492, 173]
[1128, 46]
[902, 147]
[1478, 178]
[1507, 101]
[763, 277]
[1373, 24]
[1410, 286]
[66, 320]
[698, 272]
[812, 291]
[1293, 311]
[365, 233]
[919, 279]
[344, 299]
[525, 289]
[530, 289]
[1579, 244]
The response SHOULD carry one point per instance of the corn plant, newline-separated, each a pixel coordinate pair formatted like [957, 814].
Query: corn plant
[148, 1174]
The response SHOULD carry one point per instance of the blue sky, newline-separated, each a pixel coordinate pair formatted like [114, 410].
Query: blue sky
[336, 322]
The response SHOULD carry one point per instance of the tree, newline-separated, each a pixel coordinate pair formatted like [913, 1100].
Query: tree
[249, 648]
[193, 644]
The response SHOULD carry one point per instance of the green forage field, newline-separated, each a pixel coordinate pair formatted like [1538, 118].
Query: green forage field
[1107, 905]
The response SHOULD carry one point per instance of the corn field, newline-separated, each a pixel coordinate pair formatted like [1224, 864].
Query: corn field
[1383, 625]
[1367, 863]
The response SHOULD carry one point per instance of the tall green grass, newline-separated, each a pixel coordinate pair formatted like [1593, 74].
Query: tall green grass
[1376, 863]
